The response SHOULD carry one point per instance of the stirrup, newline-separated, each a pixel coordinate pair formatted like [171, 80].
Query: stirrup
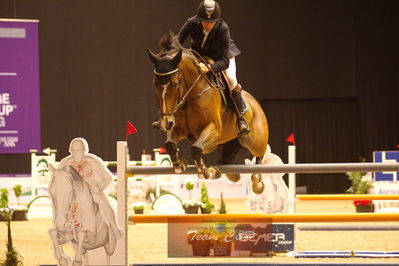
[242, 130]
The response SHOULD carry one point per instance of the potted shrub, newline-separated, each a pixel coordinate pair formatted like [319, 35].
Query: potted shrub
[207, 206]
[19, 211]
[4, 209]
[189, 184]
[12, 256]
[364, 205]
[191, 206]
[222, 209]
[138, 207]
[360, 183]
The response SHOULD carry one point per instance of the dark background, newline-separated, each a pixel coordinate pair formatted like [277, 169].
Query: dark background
[324, 70]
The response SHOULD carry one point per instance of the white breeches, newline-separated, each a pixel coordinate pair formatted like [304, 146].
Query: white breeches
[231, 73]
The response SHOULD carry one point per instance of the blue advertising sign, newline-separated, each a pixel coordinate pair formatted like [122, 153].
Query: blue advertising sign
[386, 157]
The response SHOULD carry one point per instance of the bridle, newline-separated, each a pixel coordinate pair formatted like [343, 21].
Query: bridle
[180, 100]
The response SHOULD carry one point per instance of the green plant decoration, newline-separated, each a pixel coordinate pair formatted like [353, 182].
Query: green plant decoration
[222, 209]
[17, 191]
[13, 258]
[3, 198]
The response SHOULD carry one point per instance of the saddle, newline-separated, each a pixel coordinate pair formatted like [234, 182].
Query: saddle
[219, 81]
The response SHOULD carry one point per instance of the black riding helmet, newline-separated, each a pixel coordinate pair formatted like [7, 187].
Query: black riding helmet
[209, 11]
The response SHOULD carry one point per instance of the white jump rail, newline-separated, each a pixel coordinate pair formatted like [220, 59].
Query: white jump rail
[292, 168]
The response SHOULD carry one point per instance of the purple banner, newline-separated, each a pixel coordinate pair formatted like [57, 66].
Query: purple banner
[19, 86]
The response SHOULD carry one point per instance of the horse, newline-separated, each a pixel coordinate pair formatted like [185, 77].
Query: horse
[76, 218]
[191, 108]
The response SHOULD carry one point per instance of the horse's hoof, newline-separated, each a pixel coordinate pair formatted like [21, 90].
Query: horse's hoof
[256, 178]
[180, 166]
[65, 261]
[214, 173]
[203, 173]
[258, 187]
[233, 177]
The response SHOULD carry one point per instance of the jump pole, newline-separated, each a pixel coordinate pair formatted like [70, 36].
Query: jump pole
[353, 227]
[292, 176]
[349, 197]
[275, 218]
[122, 159]
[294, 168]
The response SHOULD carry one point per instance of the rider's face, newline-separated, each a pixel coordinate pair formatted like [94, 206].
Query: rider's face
[77, 151]
[208, 26]
[77, 155]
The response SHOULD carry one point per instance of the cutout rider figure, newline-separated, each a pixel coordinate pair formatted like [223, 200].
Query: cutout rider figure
[96, 175]
[210, 37]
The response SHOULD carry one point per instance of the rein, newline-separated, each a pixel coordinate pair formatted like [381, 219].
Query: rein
[196, 55]
[182, 100]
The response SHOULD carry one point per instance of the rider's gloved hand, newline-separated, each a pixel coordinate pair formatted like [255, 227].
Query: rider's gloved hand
[203, 68]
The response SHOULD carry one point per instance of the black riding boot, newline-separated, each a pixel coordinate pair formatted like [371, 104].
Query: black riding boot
[242, 125]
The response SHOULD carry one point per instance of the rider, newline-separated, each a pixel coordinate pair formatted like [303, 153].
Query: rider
[96, 175]
[210, 37]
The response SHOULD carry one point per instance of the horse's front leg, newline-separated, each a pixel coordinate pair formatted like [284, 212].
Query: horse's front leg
[79, 249]
[63, 259]
[179, 164]
[206, 139]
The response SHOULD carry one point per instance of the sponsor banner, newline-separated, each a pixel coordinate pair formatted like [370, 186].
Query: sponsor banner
[220, 238]
[19, 86]
[386, 157]
[385, 188]
[283, 237]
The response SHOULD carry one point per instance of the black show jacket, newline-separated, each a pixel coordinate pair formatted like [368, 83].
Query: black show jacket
[217, 46]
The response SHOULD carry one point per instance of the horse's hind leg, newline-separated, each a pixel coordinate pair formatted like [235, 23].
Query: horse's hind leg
[257, 184]
[228, 154]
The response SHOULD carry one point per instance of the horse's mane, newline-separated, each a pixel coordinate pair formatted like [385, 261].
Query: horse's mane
[170, 46]
[169, 42]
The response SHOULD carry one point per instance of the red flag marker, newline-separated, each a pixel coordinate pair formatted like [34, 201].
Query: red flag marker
[130, 129]
[291, 139]
[162, 150]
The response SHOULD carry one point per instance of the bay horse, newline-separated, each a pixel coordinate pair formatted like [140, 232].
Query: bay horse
[190, 107]
[76, 218]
